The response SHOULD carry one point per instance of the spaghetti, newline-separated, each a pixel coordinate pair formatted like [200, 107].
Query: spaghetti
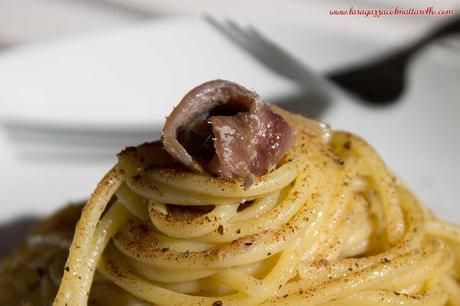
[330, 225]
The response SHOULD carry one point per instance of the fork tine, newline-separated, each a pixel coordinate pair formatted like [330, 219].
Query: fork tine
[293, 67]
[273, 57]
[292, 64]
[316, 85]
[270, 47]
[227, 31]
[231, 31]
[259, 51]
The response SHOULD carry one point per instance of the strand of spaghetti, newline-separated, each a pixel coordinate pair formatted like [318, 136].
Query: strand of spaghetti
[113, 267]
[180, 245]
[410, 241]
[361, 280]
[328, 247]
[110, 223]
[444, 230]
[134, 203]
[334, 213]
[431, 297]
[268, 183]
[170, 275]
[274, 219]
[239, 252]
[165, 194]
[352, 235]
[258, 208]
[199, 226]
[431, 255]
[450, 285]
[423, 272]
[328, 242]
[382, 180]
[288, 264]
[285, 268]
[84, 234]
[239, 281]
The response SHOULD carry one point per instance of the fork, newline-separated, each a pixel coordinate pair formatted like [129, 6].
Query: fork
[383, 80]
[277, 59]
[379, 82]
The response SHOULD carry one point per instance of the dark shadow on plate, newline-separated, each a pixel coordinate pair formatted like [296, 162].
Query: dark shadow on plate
[14, 231]
[303, 103]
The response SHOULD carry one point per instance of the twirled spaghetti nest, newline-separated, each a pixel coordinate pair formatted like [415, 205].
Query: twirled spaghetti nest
[330, 225]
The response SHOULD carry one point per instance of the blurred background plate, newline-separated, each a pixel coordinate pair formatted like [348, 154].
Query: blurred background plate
[113, 78]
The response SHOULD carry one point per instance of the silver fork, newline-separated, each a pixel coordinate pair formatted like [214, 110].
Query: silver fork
[275, 58]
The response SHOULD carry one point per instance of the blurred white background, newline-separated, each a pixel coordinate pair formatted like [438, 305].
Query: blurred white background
[113, 47]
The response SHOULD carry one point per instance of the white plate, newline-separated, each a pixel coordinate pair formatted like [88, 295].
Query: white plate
[132, 76]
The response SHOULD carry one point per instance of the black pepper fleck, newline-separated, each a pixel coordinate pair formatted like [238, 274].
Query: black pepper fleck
[220, 229]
